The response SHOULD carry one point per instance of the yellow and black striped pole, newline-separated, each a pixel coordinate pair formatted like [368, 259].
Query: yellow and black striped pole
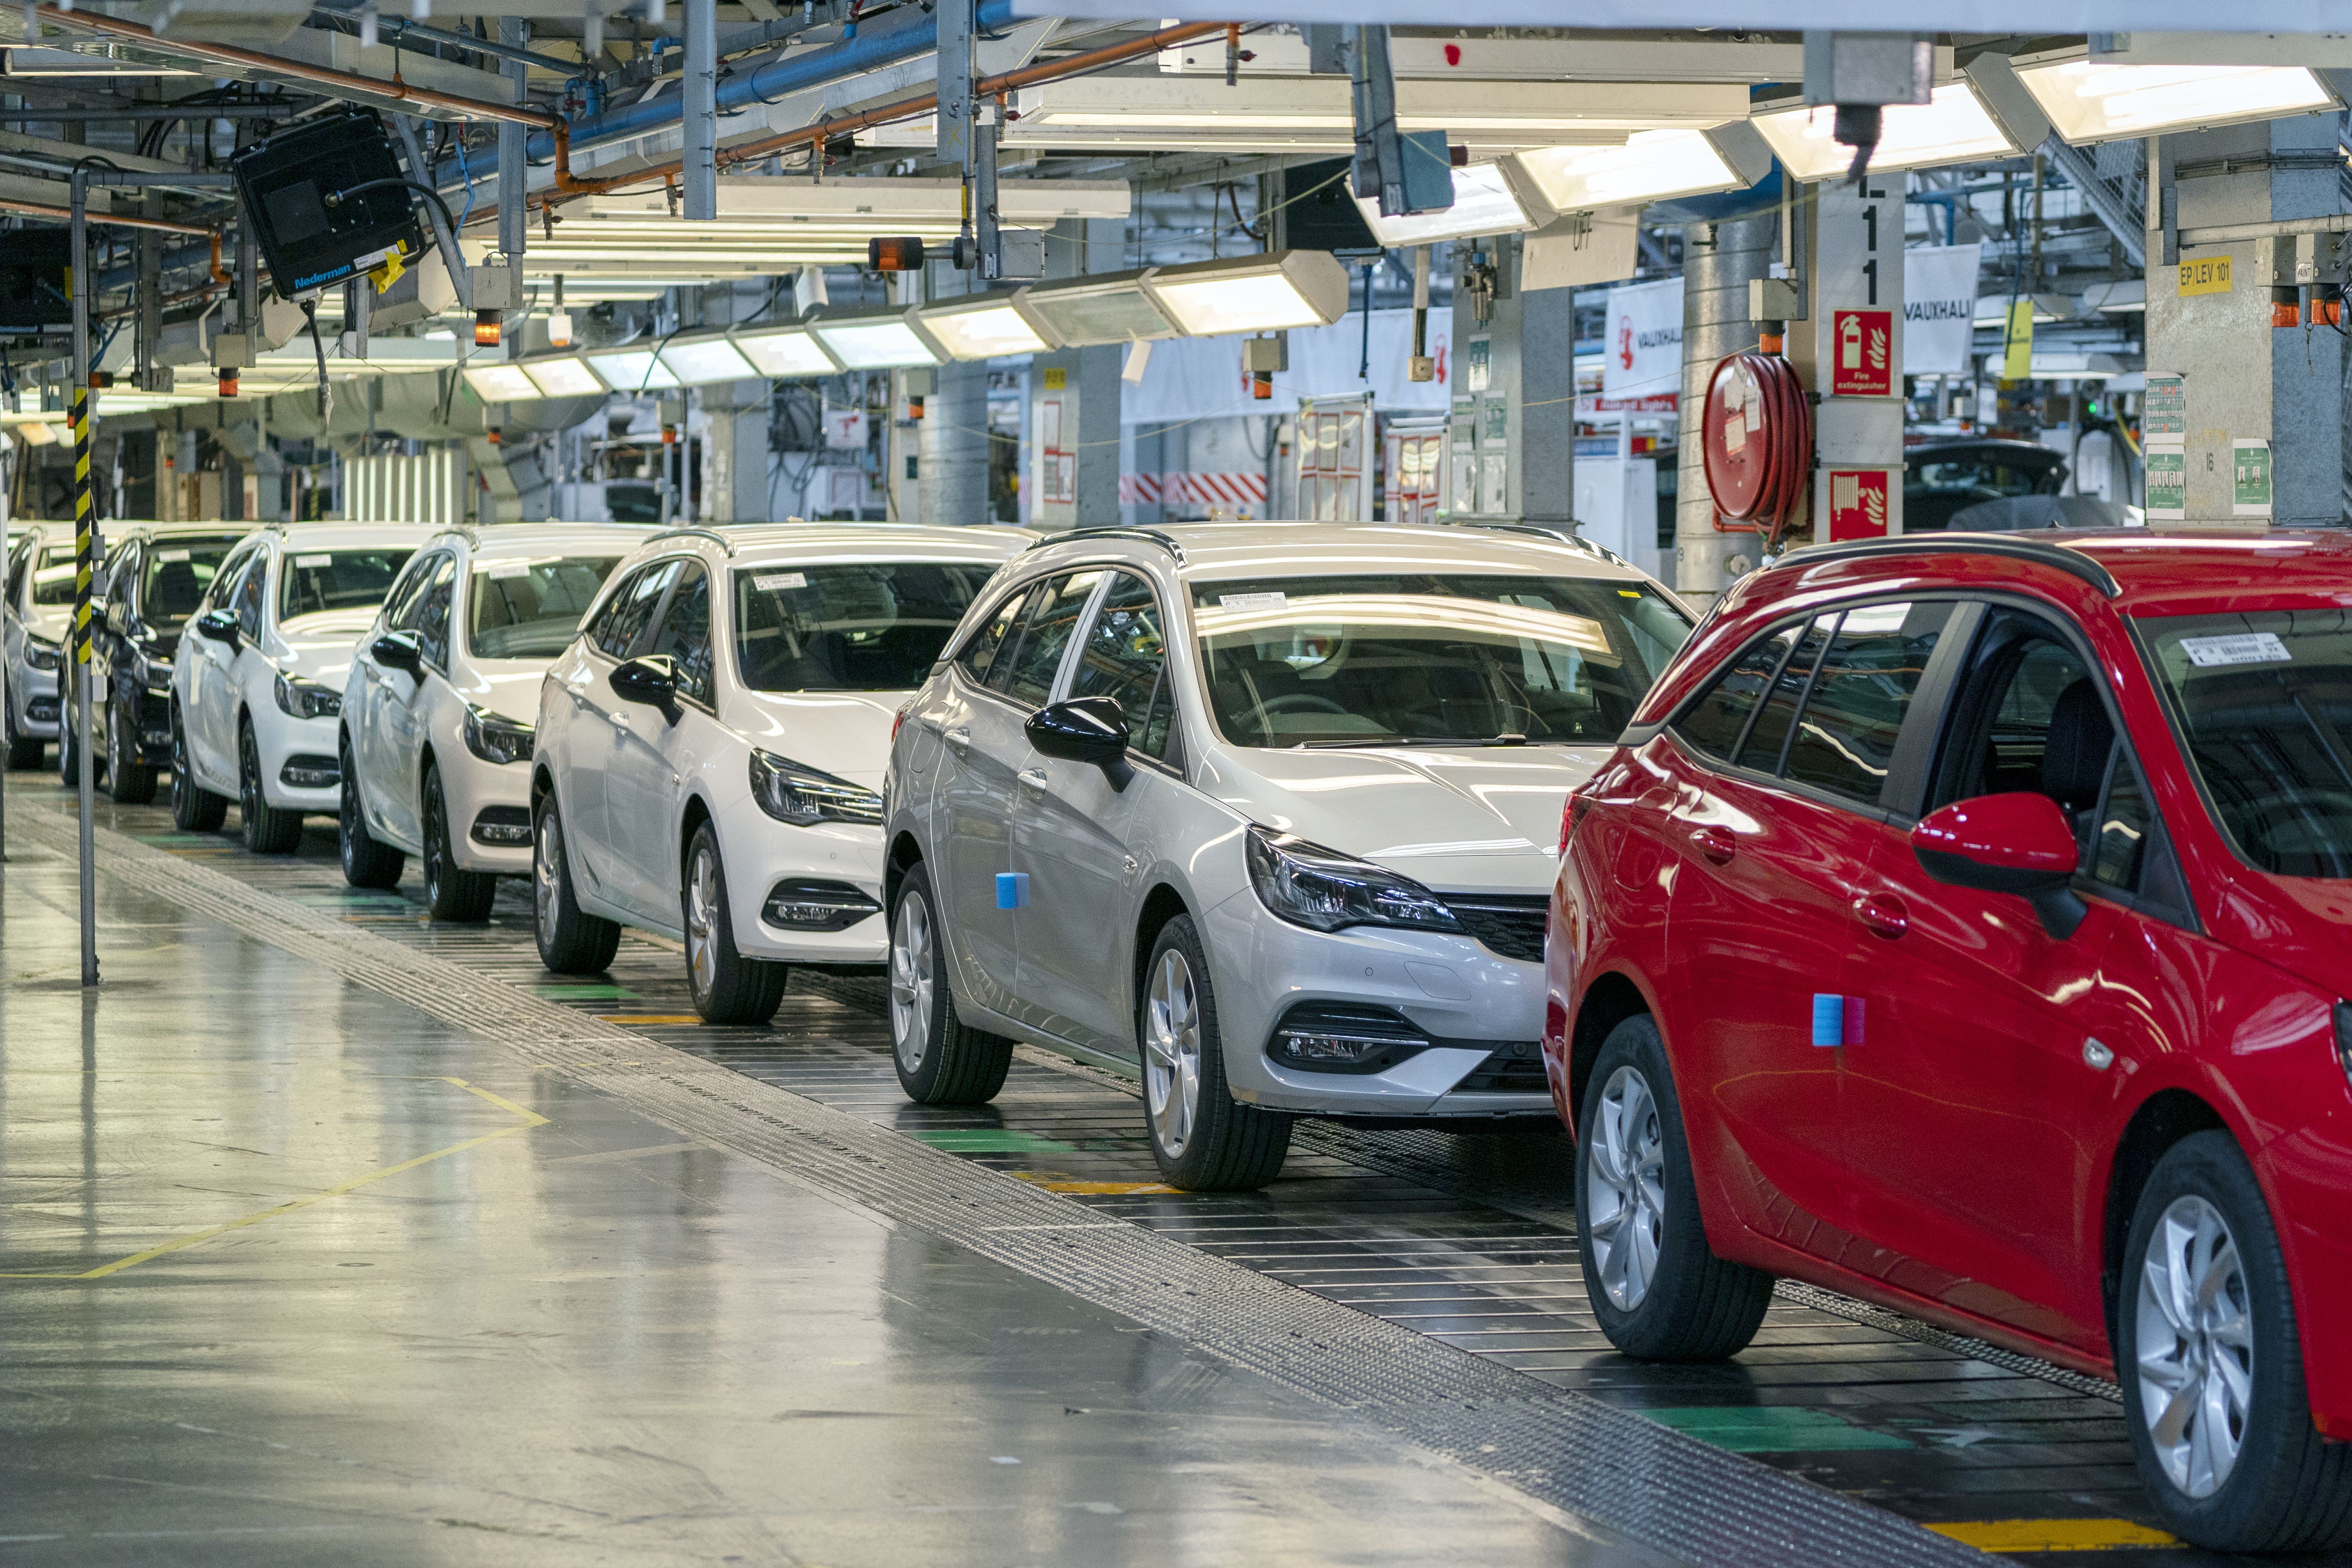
[77, 664]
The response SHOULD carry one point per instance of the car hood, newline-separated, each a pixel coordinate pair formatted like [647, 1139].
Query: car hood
[50, 621]
[320, 646]
[507, 687]
[1479, 820]
[845, 733]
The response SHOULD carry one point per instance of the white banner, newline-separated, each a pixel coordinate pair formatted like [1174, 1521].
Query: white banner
[1642, 351]
[1202, 378]
[1939, 309]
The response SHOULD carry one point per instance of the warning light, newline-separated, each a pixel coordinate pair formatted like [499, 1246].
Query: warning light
[228, 383]
[1262, 386]
[914, 406]
[486, 329]
[898, 253]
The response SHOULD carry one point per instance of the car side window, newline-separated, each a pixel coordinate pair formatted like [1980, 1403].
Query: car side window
[685, 635]
[627, 619]
[980, 652]
[121, 585]
[1026, 675]
[1767, 735]
[1713, 725]
[400, 604]
[432, 613]
[2119, 842]
[2029, 717]
[249, 601]
[1844, 738]
[599, 631]
[1125, 657]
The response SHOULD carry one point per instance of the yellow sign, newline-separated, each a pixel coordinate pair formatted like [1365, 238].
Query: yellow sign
[2017, 343]
[2206, 275]
[1056, 378]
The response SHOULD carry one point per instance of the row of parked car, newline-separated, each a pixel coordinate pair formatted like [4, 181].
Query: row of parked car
[1955, 922]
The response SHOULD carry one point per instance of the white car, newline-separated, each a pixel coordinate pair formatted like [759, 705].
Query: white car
[256, 689]
[711, 752]
[436, 732]
[1269, 812]
[39, 614]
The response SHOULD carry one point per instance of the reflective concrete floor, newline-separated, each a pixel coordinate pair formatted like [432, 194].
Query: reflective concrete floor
[295, 1274]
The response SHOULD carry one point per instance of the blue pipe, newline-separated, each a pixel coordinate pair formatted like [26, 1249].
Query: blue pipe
[871, 49]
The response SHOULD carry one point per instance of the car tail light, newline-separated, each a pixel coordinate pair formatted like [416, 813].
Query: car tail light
[1576, 806]
[2344, 1036]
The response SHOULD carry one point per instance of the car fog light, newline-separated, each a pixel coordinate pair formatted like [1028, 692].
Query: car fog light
[42, 709]
[1321, 1038]
[505, 825]
[308, 770]
[817, 906]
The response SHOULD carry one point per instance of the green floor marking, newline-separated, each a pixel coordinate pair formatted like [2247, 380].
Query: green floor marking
[585, 992]
[987, 1140]
[1772, 1429]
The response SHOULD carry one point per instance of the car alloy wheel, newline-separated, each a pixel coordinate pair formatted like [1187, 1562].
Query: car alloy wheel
[702, 921]
[2196, 1340]
[1627, 1193]
[910, 983]
[546, 897]
[1172, 1053]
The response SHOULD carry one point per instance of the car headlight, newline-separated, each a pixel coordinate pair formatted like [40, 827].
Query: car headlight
[494, 739]
[152, 669]
[306, 698]
[39, 655]
[800, 796]
[1323, 890]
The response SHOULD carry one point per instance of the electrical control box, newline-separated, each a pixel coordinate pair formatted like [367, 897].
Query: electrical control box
[325, 200]
[35, 279]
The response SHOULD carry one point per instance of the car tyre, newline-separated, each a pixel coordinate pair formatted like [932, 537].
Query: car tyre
[368, 861]
[2212, 1367]
[68, 747]
[23, 751]
[1657, 1288]
[267, 830]
[128, 779]
[1203, 1140]
[728, 987]
[570, 940]
[941, 1059]
[195, 808]
[451, 892]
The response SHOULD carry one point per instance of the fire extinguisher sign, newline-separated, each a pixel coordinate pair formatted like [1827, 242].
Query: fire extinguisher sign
[1863, 361]
[1858, 504]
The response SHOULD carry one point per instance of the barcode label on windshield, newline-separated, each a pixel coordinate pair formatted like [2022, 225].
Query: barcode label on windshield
[307, 561]
[1253, 601]
[171, 555]
[2236, 647]
[770, 582]
[503, 570]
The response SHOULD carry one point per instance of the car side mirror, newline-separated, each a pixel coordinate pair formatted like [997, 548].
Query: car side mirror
[1084, 730]
[399, 650]
[648, 679]
[2020, 844]
[221, 627]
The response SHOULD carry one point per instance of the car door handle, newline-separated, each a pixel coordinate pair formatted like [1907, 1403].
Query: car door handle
[1716, 842]
[1036, 778]
[1884, 914]
[958, 741]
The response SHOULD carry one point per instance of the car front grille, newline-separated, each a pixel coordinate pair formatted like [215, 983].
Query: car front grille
[1512, 926]
[1506, 1073]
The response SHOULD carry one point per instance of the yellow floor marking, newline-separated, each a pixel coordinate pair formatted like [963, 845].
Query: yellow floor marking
[647, 1018]
[530, 1119]
[2053, 1534]
[1088, 1189]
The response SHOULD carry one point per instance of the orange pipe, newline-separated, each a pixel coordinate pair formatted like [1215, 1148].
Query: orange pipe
[43, 209]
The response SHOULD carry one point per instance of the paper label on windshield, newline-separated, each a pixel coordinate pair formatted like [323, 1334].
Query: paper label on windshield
[306, 561]
[171, 555]
[504, 570]
[1253, 601]
[771, 581]
[2236, 647]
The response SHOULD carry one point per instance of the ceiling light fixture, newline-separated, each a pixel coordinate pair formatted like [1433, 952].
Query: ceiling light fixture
[985, 326]
[789, 353]
[1952, 126]
[874, 340]
[1109, 308]
[1252, 294]
[1484, 203]
[1652, 166]
[699, 361]
[2089, 101]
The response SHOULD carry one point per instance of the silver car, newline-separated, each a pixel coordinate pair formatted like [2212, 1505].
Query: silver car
[1270, 811]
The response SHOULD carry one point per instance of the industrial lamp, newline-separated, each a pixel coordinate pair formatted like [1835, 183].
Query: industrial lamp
[874, 340]
[1951, 126]
[632, 370]
[789, 354]
[566, 377]
[698, 360]
[2092, 100]
[500, 383]
[983, 326]
[1109, 308]
[1252, 294]
[1651, 167]
[1484, 203]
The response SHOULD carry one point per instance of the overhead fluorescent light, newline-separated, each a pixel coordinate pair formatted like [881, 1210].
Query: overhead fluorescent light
[500, 382]
[632, 371]
[1110, 309]
[1484, 203]
[82, 57]
[792, 353]
[1951, 126]
[567, 377]
[987, 327]
[1252, 293]
[1652, 166]
[695, 361]
[872, 341]
[2089, 101]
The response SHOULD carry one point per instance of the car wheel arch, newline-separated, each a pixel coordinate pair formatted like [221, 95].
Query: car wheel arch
[1609, 1001]
[903, 855]
[698, 812]
[1161, 904]
[542, 785]
[2162, 1119]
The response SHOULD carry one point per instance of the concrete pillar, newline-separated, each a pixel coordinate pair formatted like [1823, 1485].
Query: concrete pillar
[735, 463]
[1514, 400]
[2243, 379]
[952, 440]
[1718, 260]
[1075, 437]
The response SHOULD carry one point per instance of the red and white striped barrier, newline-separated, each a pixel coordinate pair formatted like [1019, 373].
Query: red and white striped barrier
[1178, 487]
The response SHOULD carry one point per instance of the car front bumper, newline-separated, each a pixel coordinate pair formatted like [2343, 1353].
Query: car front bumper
[294, 753]
[762, 854]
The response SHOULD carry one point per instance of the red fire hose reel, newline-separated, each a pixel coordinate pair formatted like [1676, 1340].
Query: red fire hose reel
[1758, 442]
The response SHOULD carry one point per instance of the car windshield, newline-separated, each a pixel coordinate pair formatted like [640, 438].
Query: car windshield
[53, 579]
[1414, 659]
[317, 580]
[868, 627]
[531, 609]
[178, 572]
[2264, 699]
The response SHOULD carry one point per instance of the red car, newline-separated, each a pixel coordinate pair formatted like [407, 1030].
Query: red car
[1963, 924]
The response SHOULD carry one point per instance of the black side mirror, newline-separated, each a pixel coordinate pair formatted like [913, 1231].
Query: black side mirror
[649, 679]
[221, 627]
[398, 650]
[1084, 730]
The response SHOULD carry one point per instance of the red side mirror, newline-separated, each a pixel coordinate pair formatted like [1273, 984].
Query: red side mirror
[2020, 844]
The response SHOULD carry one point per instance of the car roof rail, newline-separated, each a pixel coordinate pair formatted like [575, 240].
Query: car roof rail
[464, 531]
[1123, 531]
[1559, 533]
[711, 534]
[2039, 552]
